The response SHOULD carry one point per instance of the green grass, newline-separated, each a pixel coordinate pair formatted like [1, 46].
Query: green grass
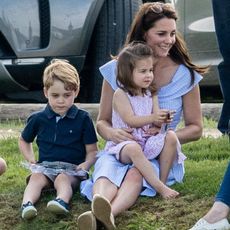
[205, 165]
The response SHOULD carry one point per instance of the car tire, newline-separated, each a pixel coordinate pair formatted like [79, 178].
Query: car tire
[108, 37]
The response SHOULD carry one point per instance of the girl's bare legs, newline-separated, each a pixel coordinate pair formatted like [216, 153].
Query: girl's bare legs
[218, 212]
[132, 153]
[33, 190]
[167, 155]
[64, 185]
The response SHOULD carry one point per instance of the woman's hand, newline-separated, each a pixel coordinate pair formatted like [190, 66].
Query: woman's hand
[119, 135]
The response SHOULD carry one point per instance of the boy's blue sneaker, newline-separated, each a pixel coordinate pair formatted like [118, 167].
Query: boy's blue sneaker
[58, 206]
[28, 211]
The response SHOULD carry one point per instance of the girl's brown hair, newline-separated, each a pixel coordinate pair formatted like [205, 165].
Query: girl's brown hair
[126, 63]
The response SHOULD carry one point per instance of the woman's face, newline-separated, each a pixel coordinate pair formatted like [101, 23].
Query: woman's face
[161, 37]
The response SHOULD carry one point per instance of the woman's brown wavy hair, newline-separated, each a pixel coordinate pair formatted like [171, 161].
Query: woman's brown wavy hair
[145, 19]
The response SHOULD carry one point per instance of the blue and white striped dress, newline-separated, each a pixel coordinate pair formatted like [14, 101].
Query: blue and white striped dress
[170, 97]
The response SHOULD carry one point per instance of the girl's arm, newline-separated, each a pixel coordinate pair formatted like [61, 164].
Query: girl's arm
[192, 117]
[104, 127]
[90, 159]
[155, 104]
[123, 107]
[26, 150]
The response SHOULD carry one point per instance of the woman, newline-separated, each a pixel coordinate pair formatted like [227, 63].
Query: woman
[115, 186]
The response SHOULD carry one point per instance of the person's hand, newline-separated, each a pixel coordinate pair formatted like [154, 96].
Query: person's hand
[161, 116]
[82, 170]
[170, 116]
[152, 131]
[32, 161]
[82, 166]
[119, 135]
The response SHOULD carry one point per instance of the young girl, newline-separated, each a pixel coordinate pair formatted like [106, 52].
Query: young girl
[136, 88]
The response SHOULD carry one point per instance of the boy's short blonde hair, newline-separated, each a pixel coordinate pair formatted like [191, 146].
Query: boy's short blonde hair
[61, 70]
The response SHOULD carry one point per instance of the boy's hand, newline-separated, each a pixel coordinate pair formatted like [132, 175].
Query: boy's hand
[32, 161]
[82, 166]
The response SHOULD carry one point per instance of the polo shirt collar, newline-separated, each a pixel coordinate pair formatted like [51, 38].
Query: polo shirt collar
[71, 113]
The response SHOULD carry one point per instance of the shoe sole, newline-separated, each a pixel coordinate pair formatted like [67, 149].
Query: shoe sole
[56, 208]
[29, 214]
[87, 221]
[102, 210]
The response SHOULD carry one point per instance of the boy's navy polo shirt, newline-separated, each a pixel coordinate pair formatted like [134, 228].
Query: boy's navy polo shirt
[64, 140]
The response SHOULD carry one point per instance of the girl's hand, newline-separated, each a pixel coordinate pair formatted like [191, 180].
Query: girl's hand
[123, 134]
[170, 116]
[161, 116]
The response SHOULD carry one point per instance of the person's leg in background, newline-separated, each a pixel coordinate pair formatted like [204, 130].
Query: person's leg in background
[217, 216]
[221, 9]
[224, 193]
[220, 208]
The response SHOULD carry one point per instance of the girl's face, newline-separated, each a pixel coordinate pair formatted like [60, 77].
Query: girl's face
[143, 73]
[161, 37]
[59, 98]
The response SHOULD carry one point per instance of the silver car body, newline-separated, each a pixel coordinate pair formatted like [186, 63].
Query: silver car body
[196, 24]
[32, 32]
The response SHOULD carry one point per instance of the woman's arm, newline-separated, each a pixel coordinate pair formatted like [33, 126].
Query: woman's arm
[192, 117]
[104, 127]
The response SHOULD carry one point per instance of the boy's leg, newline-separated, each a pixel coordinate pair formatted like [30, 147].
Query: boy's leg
[64, 185]
[37, 182]
[167, 155]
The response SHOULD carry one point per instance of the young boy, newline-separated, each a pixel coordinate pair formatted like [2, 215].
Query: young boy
[64, 133]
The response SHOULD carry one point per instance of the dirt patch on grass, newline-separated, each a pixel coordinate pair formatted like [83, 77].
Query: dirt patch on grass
[8, 133]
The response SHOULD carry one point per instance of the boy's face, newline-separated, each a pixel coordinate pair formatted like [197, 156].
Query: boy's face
[59, 98]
